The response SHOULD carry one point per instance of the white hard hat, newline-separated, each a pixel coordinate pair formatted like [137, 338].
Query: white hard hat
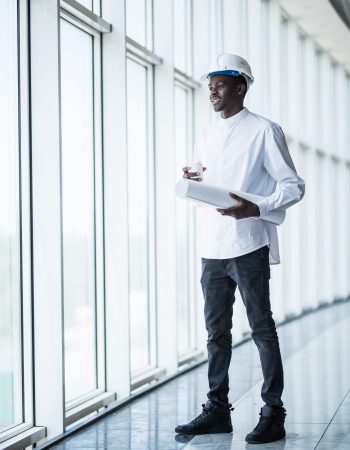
[233, 65]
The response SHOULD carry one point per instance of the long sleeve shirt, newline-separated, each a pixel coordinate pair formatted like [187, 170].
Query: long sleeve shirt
[249, 153]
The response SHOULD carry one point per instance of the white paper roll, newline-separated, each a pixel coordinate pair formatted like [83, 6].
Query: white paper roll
[220, 197]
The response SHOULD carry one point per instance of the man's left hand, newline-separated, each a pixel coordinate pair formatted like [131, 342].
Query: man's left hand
[243, 209]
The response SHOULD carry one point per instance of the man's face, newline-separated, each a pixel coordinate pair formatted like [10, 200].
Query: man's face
[224, 92]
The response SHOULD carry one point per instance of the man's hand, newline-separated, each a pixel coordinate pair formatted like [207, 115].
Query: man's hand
[192, 175]
[242, 209]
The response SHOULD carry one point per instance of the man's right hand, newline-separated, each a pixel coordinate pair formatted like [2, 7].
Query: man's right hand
[191, 175]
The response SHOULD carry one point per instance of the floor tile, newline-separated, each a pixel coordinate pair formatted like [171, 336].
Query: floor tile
[337, 433]
[124, 440]
[231, 442]
[342, 416]
[333, 446]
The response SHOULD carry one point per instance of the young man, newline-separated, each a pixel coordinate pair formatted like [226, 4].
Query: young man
[247, 152]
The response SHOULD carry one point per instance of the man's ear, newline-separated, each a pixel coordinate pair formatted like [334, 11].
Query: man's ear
[241, 89]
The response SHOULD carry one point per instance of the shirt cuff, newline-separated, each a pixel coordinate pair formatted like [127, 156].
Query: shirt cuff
[263, 208]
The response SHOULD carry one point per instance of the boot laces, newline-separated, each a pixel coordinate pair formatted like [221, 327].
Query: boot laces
[205, 412]
[264, 421]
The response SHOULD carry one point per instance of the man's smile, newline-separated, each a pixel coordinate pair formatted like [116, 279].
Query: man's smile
[215, 100]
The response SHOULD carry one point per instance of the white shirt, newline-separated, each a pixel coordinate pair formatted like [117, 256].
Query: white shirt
[249, 153]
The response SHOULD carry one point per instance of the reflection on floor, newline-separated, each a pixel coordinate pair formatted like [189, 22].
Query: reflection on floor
[316, 355]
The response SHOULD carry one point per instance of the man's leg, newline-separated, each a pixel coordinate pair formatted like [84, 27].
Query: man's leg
[252, 273]
[218, 291]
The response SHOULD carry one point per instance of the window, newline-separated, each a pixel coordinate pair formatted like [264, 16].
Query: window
[302, 84]
[265, 57]
[335, 104]
[139, 21]
[10, 253]
[284, 75]
[243, 26]
[347, 97]
[321, 226]
[216, 28]
[319, 99]
[141, 216]
[183, 37]
[16, 358]
[81, 215]
[185, 236]
[184, 87]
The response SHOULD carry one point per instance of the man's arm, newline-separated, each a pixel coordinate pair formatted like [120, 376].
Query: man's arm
[243, 208]
[278, 162]
[290, 187]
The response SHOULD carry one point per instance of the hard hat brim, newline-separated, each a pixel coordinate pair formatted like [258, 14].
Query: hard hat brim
[230, 73]
[207, 75]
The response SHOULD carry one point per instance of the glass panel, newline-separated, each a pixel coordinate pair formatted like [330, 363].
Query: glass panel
[10, 280]
[216, 28]
[138, 216]
[265, 57]
[302, 83]
[78, 211]
[243, 24]
[284, 78]
[182, 35]
[184, 231]
[318, 99]
[347, 101]
[136, 20]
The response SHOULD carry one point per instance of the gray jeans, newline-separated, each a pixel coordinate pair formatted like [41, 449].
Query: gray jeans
[220, 277]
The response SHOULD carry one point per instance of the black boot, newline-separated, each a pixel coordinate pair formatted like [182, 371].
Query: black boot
[270, 427]
[213, 419]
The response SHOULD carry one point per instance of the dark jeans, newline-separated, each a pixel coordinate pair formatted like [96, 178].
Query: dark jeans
[220, 277]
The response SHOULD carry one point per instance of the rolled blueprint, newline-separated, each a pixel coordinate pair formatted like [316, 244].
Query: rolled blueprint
[220, 197]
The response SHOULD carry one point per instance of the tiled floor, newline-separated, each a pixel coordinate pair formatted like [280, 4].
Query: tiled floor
[316, 355]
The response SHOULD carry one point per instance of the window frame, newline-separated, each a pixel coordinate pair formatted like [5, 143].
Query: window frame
[148, 23]
[189, 38]
[24, 433]
[72, 407]
[152, 371]
[284, 70]
[192, 354]
[216, 27]
[88, 22]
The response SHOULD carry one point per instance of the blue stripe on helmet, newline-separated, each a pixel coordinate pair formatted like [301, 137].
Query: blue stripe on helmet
[232, 73]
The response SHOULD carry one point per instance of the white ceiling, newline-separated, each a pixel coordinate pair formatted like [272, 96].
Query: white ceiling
[319, 20]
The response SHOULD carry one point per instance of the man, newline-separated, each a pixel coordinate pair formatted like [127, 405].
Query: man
[247, 152]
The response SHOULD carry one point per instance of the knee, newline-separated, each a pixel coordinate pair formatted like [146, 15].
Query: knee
[223, 340]
[264, 333]
[264, 329]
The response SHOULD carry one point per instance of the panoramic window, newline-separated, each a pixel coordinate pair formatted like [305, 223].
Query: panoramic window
[185, 242]
[183, 38]
[11, 412]
[140, 216]
[81, 204]
[139, 16]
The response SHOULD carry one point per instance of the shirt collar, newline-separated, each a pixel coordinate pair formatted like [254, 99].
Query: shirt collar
[233, 120]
